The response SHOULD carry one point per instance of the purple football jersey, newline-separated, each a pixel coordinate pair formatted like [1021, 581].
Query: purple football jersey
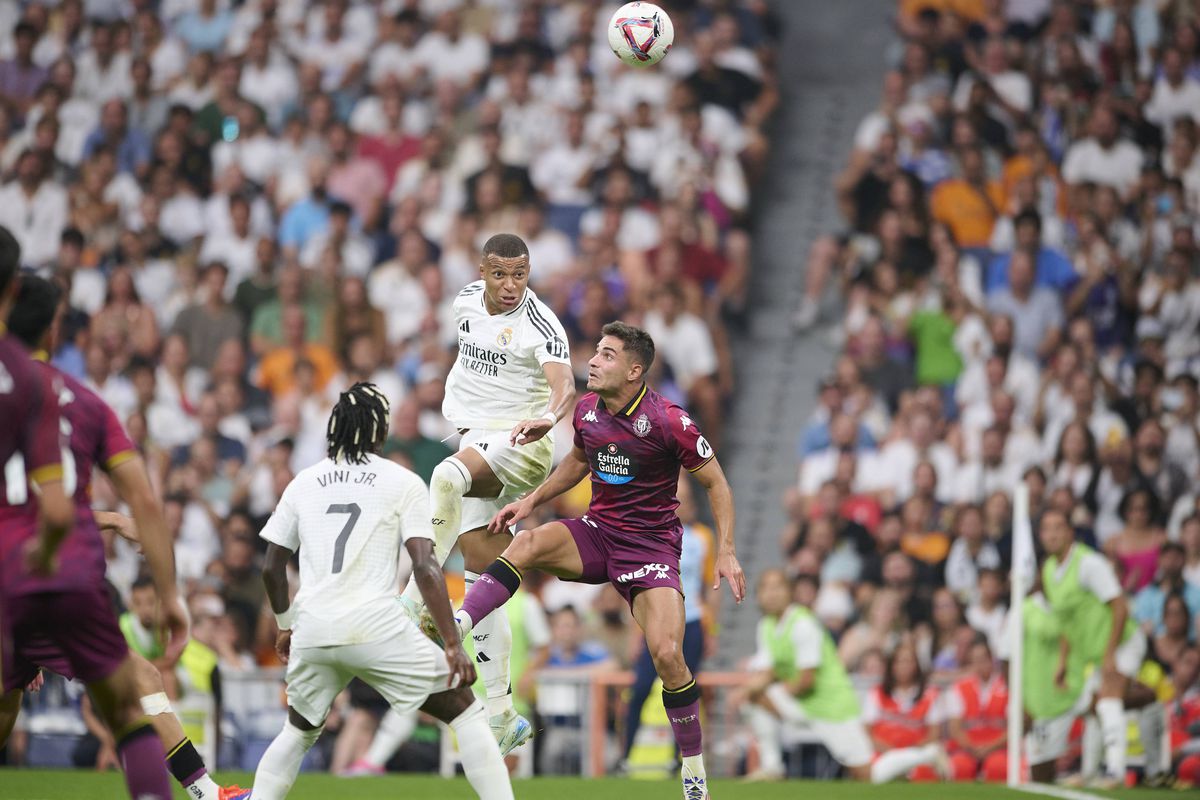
[96, 440]
[635, 454]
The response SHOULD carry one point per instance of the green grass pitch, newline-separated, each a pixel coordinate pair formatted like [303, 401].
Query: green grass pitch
[82, 785]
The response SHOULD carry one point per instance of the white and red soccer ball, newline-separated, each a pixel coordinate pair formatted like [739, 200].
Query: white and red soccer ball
[640, 34]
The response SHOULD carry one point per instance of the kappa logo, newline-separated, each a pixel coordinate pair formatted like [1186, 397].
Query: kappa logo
[662, 573]
[641, 426]
[589, 416]
[685, 420]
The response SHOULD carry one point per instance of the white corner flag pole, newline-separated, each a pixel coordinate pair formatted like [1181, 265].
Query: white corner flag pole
[1024, 563]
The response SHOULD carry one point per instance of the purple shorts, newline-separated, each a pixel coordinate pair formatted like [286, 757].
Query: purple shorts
[630, 562]
[72, 633]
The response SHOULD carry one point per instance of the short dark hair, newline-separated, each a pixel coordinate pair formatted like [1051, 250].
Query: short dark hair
[505, 245]
[142, 581]
[31, 317]
[73, 237]
[635, 340]
[10, 257]
[1028, 216]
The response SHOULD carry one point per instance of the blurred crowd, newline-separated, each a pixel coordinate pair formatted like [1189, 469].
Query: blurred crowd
[254, 203]
[1021, 283]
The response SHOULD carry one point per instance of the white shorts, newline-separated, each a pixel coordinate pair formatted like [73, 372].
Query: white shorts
[1131, 653]
[1048, 738]
[520, 467]
[847, 741]
[405, 669]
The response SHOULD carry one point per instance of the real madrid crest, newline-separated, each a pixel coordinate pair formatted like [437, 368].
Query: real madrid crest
[504, 337]
[641, 425]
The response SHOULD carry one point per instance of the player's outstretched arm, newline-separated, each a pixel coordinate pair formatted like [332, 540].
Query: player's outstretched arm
[275, 580]
[133, 487]
[720, 498]
[569, 472]
[428, 575]
[562, 400]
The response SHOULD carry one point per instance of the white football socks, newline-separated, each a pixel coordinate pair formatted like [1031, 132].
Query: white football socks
[281, 763]
[493, 652]
[480, 755]
[394, 730]
[450, 482]
[1152, 723]
[897, 763]
[767, 729]
[1111, 712]
[1091, 748]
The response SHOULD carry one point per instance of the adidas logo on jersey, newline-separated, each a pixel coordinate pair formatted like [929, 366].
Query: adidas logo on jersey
[589, 416]
[466, 326]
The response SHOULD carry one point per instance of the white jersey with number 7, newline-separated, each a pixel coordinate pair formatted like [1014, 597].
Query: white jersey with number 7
[349, 522]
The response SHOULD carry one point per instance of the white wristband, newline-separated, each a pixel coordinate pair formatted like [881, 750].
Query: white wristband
[284, 620]
[550, 417]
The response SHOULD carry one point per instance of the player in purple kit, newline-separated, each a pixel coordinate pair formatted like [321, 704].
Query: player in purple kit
[633, 441]
[55, 602]
[96, 438]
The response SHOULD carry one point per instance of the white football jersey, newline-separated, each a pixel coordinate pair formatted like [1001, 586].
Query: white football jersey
[348, 521]
[497, 380]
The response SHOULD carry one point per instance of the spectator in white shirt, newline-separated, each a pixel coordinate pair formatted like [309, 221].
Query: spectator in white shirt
[103, 71]
[395, 289]
[352, 249]
[685, 344]
[335, 50]
[975, 481]
[1011, 89]
[563, 173]
[181, 214]
[1107, 428]
[1104, 158]
[1175, 94]
[636, 228]
[195, 90]
[892, 471]
[268, 79]
[166, 54]
[550, 250]
[254, 149]
[971, 553]
[34, 210]
[236, 248]
[396, 57]
[447, 53]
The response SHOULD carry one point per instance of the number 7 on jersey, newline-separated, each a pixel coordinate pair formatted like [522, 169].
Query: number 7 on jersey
[339, 547]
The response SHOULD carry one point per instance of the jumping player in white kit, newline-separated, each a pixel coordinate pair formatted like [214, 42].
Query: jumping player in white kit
[347, 515]
[512, 382]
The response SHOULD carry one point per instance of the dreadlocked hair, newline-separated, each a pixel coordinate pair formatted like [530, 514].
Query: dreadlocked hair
[357, 424]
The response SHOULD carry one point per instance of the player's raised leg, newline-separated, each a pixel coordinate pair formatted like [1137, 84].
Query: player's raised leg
[550, 548]
[659, 612]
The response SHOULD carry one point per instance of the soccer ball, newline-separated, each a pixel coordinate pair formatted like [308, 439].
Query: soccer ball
[640, 34]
